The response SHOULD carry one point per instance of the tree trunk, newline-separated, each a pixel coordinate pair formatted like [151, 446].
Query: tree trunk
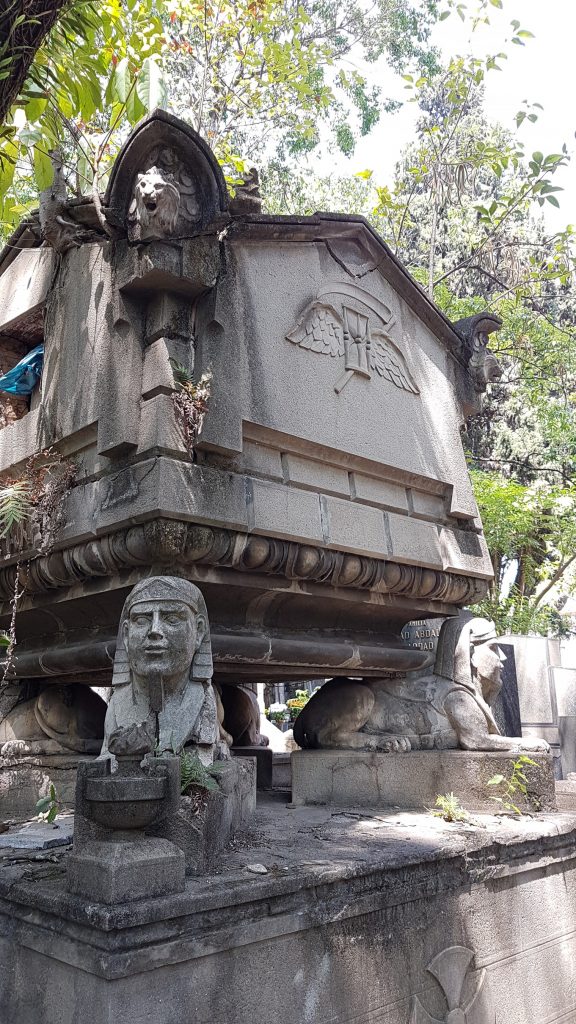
[19, 42]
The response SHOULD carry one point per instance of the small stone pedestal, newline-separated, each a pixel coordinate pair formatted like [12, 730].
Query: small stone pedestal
[113, 860]
[120, 870]
[263, 757]
[350, 778]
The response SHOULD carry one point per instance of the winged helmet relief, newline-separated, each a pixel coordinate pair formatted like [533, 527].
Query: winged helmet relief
[350, 323]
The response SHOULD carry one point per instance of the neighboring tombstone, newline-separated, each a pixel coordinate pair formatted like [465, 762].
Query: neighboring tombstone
[506, 707]
[564, 680]
[535, 659]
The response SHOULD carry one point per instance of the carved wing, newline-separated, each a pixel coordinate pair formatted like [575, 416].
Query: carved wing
[420, 1015]
[320, 330]
[389, 362]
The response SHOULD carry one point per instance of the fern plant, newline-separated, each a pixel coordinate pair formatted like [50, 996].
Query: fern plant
[194, 773]
[183, 378]
[190, 400]
[15, 505]
[450, 808]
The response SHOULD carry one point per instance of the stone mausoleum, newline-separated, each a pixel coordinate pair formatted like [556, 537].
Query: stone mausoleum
[245, 464]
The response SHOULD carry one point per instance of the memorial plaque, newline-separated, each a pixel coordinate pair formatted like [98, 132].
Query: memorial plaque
[422, 634]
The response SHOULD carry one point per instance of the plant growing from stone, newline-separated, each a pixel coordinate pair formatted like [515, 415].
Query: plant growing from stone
[48, 807]
[195, 774]
[516, 783]
[37, 498]
[190, 403]
[32, 511]
[450, 809]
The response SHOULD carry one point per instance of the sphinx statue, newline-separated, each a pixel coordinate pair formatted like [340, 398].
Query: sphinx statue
[163, 670]
[61, 719]
[446, 709]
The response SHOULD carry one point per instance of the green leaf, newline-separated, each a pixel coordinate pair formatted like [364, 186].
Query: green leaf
[150, 85]
[35, 108]
[496, 780]
[4, 640]
[52, 814]
[366, 175]
[554, 201]
[43, 170]
[120, 82]
[43, 804]
[135, 109]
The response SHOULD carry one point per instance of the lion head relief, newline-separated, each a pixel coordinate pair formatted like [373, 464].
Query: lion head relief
[155, 204]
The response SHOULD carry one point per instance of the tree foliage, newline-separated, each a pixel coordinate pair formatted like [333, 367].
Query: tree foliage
[96, 71]
[246, 75]
[23, 28]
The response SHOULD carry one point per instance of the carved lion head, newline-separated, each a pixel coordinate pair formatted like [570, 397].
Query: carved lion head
[155, 204]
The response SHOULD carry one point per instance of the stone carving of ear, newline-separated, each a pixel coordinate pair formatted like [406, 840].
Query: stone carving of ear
[200, 630]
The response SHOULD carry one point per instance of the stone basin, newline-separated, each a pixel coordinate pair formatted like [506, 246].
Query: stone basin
[125, 802]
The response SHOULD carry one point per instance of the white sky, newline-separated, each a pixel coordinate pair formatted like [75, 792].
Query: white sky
[542, 71]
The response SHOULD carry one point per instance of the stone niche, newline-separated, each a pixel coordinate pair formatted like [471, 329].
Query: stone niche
[327, 502]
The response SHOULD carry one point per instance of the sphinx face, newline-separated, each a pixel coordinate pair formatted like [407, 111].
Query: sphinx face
[487, 659]
[162, 637]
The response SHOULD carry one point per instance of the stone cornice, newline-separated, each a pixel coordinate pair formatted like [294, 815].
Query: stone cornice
[175, 543]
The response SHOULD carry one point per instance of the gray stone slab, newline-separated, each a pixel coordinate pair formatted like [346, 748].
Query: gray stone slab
[464, 551]
[316, 475]
[414, 541]
[25, 284]
[345, 778]
[428, 506]
[40, 835]
[382, 493]
[354, 527]
[284, 511]
[262, 460]
[117, 872]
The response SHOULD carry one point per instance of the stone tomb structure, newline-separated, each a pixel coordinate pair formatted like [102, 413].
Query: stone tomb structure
[326, 502]
[259, 476]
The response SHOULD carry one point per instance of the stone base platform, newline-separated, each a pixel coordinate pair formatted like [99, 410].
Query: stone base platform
[350, 778]
[353, 917]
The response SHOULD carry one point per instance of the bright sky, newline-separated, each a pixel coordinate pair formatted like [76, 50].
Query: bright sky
[542, 71]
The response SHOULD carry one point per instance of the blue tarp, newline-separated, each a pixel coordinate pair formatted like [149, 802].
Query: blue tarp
[23, 378]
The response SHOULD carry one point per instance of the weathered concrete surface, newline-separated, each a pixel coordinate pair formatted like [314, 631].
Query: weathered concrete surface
[352, 909]
[25, 779]
[349, 778]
